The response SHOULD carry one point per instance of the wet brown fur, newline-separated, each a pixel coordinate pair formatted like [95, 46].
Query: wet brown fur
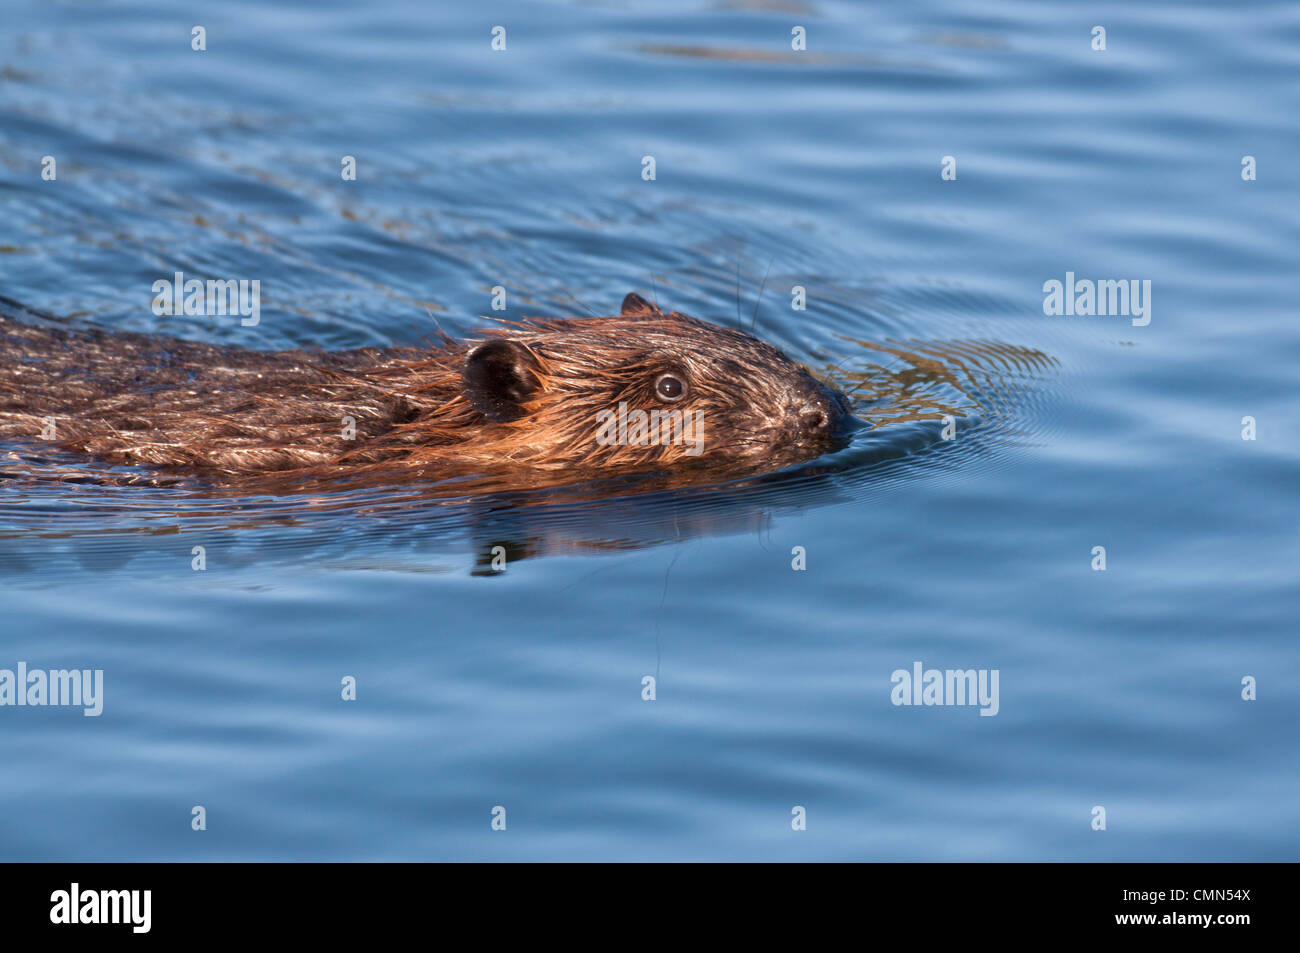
[231, 415]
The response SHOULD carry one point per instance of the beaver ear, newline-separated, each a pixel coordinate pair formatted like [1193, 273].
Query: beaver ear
[634, 304]
[499, 376]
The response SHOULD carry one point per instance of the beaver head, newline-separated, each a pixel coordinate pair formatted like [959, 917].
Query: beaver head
[646, 389]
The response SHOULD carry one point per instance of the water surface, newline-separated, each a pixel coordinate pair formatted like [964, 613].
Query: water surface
[774, 169]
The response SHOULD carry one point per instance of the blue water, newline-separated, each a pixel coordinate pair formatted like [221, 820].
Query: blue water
[1120, 689]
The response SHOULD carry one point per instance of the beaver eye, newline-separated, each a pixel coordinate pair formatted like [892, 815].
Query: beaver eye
[670, 387]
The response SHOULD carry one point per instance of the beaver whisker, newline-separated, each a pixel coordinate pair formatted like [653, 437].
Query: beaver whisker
[753, 323]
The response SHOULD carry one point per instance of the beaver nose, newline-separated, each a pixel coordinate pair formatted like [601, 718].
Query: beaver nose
[816, 420]
[825, 412]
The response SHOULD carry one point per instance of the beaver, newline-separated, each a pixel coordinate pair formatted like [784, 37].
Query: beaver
[644, 390]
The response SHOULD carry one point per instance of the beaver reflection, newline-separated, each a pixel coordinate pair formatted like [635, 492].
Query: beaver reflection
[534, 403]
